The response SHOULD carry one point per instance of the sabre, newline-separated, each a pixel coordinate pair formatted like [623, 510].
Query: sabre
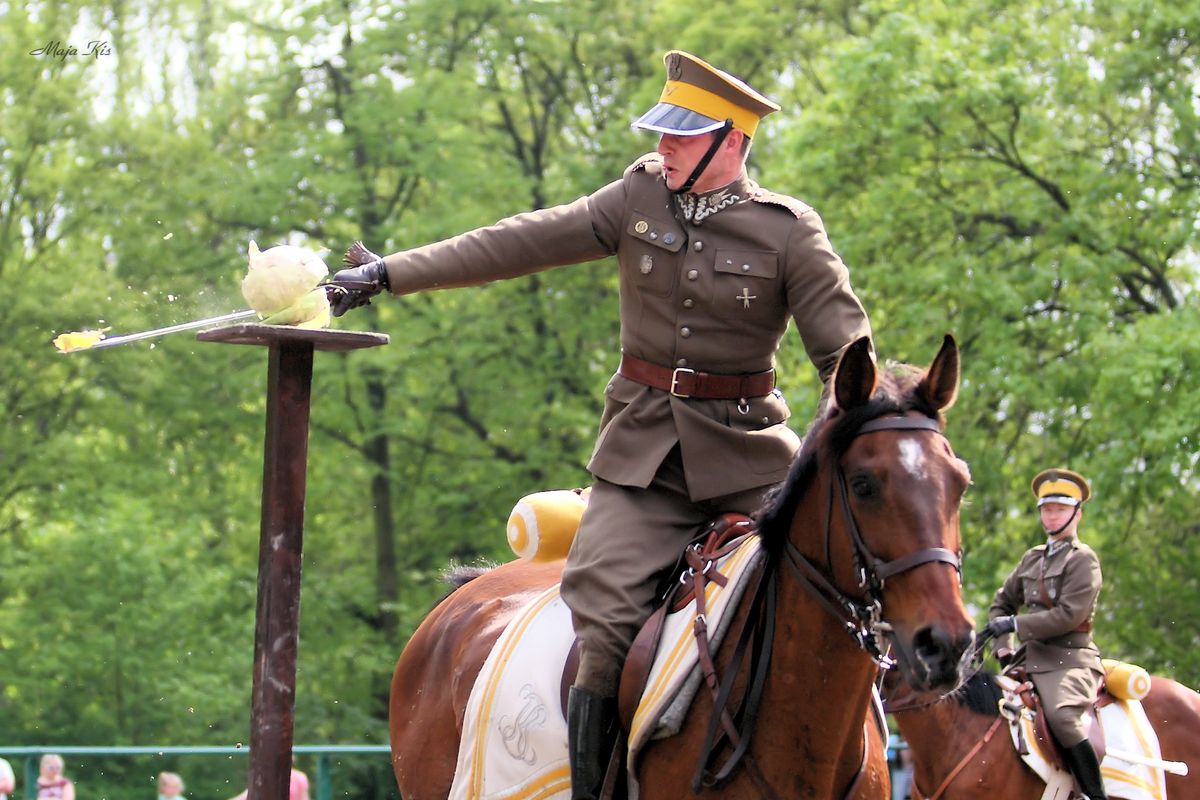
[92, 340]
[183, 326]
[1174, 767]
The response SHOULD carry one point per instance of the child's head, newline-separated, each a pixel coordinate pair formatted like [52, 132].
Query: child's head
[169, 784]
[52, 765]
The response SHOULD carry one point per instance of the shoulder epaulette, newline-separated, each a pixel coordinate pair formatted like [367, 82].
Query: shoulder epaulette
[644, 162]
[797, 207]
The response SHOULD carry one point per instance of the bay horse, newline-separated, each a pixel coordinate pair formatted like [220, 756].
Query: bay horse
[862, 539]
[960, 753]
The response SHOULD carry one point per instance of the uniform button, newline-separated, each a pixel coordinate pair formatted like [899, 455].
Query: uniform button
[745, 267]
[766, 420]
[681, 362]
[654, 235]
[685, 332]
[698, 246]
[692, 274]
[689, 303]
[609, 388]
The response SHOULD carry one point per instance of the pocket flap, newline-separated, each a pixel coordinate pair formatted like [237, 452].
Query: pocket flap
[666, 235]
[755, 263]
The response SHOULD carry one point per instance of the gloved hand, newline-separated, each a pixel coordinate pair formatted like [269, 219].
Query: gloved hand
[1001, 626]
[364, 277]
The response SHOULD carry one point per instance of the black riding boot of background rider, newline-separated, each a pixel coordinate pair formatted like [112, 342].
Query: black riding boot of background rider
[1081, 760]
[591, 735]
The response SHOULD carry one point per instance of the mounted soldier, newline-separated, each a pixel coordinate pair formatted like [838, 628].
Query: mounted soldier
[712, 267]
[1058, 582]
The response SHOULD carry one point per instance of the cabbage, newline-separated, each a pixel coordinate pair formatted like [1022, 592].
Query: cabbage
[310, 311]
[279, 277]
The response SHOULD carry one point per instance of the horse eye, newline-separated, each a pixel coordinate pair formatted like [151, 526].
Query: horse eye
[862, 486]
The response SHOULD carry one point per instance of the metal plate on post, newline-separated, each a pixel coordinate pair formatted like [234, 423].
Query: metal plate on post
[267, 335]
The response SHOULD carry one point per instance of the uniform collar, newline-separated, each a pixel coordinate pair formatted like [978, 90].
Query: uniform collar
[1060, 545]
[698, 207]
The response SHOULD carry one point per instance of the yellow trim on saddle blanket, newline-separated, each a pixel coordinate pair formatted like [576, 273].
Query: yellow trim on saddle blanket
[514, 738]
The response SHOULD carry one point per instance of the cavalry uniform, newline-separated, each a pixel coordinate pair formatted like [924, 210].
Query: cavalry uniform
[1059, 587]
[1058, 583]
[707, 295]
[692, 425]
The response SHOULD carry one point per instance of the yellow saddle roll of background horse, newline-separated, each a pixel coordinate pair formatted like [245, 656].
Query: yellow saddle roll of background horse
[542, 526]
[1125, 681]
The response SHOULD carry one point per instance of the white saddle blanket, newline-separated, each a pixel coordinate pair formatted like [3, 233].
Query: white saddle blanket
[514, 737]
[1126, 729]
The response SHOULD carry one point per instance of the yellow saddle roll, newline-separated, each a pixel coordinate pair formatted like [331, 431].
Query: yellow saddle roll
[542, 526]
[1125, 681]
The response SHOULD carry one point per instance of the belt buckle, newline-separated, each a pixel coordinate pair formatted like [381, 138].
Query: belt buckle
[675, 380]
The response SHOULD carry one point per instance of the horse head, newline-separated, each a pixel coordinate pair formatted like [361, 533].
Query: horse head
[884, 489]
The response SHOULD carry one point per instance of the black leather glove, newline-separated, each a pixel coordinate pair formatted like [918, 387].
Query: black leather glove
[1001, 626]
[364, 277]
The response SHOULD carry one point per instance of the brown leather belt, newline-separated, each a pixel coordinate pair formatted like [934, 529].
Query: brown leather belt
[684, 382]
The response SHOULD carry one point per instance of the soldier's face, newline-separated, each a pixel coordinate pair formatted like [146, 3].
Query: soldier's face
[681, 154]
[1055, 515]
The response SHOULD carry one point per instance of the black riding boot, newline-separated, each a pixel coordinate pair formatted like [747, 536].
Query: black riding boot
[1081, 760]
[591, 734]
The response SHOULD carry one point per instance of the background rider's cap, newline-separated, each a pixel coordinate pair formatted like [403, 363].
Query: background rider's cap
[698, 98]
[1061, 486]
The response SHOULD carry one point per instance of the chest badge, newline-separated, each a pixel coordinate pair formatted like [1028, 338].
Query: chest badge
[647, 264]
[745, 297]
[640, 226]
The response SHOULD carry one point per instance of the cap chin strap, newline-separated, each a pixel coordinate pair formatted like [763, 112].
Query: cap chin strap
[1065, 525]
[721, 132]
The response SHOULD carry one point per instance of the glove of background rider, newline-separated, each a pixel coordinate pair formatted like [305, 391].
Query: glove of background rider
[364, 277]
[1001, 626]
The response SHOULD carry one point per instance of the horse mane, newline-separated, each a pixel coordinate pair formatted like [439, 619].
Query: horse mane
[981, 694]
[830, 435]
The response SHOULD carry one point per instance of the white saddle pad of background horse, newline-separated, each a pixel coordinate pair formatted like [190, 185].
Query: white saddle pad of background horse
[514, 738]
[1126, 728]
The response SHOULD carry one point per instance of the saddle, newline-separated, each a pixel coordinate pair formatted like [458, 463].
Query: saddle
[675, 591]
[679, 586]
[1046, 741]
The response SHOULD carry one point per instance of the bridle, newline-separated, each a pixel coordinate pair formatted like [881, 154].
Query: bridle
[863, 616]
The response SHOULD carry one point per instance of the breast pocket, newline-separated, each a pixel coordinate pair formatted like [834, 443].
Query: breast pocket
[1033, 580]
[745, 283]
[649, 253]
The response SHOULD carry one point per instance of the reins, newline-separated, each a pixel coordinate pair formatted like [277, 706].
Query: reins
[863, 618]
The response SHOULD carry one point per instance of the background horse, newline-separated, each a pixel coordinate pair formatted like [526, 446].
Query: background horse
[949, 734]
[863, 538]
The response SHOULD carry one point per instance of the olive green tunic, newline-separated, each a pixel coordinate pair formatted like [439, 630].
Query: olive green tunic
[1057, 647]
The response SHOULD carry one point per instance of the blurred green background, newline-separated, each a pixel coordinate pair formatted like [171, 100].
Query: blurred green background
[1022, 174]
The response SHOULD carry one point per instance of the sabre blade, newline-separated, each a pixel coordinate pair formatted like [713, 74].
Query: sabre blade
[183, 326]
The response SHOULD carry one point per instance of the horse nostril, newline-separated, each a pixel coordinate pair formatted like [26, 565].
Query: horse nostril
[939, 655]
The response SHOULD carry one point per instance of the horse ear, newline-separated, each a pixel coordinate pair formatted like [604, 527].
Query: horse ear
[854, 378]
[940, 384]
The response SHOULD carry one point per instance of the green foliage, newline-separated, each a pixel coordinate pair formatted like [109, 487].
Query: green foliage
[1020, 174]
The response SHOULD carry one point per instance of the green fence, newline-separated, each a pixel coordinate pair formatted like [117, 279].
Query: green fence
[324, 776]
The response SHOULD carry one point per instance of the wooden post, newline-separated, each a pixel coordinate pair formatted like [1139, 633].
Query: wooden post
[281, 537]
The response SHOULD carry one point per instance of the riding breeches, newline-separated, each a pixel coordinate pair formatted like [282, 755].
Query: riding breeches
[1066, 696]
[627, 538]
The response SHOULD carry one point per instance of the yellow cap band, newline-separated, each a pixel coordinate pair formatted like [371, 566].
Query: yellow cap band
[693, 98]
[1060, 489]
